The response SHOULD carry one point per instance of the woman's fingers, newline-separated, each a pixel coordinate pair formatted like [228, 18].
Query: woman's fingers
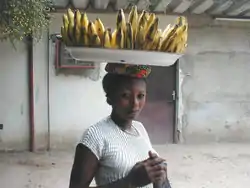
[156, 176]
[159, 167]
[152, 155]
[155, 161]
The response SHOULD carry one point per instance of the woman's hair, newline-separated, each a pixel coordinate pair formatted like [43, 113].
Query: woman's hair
[111, 83]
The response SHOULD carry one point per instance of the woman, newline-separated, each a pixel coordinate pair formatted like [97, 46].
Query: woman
[117, 151]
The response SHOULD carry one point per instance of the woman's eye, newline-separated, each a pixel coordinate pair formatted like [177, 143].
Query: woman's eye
[125, 95]
[141, 96]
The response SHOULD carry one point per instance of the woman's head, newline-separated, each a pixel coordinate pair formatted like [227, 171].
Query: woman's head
[125, 94]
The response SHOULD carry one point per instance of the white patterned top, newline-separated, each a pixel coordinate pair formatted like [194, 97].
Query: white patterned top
[116, 150]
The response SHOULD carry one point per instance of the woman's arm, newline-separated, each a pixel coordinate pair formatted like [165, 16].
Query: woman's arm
[84, 168]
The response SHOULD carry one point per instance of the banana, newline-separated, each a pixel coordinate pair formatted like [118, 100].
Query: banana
[64, 29]
[84, 40]
[157, 40]
[150, 35]
[91, 29]
[70, 15]
[65, 21]
[142, 19]
[77, 18]
[129, 41]
[99, 28]
[166, 39]
[84, 20]
[107, 39]
[181, 20]
[117, 40]
[175, 39]
[133, 20]
[120, 20]
[140, 38]
[164, 33]
[84, 37]
[147, 15]
[77, 26]
[150, 21]
[113, 39]
[183, 42]
[94, 39]
[121, 38]
[63, 34]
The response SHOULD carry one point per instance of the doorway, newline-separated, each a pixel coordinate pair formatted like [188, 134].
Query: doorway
[158, 115]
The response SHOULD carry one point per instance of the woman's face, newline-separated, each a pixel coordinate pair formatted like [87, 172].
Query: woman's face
[129, 100]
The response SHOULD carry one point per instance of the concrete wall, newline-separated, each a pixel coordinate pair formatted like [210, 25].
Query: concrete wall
[213, 95]
[13, 97]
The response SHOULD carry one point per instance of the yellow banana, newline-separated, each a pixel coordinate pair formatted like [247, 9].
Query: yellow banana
[84, 20]
[164, 33]
[117, 40]
[175, 38]
[65, 21]
[181, 20]
[70, 15]
[129, 41]
[147, 14]
[92, 29]
[96, 41]
[120, 20]
[120, 38]
[84, 36]
[183, 43]
[157, 40]
[166, 39]
[77, 26]
[93, 36]
[107, 39]
[77, 18]
[113, 39]
[64, 36]
[133, 20]
[175, 41]
[152, 30]
[140, 38]
[77, 35]
[150, 21]
[99, 28]
[142, 19]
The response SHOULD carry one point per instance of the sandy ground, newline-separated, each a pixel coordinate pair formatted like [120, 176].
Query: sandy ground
[199, 166]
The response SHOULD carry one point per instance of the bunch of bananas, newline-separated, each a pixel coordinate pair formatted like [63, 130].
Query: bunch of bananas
[77, 30]
[140, 32]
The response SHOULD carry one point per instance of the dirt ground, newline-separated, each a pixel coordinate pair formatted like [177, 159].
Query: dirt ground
[190, 166]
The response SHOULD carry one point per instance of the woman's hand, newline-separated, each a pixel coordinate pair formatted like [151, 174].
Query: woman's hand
[162, 168]
[148, 171]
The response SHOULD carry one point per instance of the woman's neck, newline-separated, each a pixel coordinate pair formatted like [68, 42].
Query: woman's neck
[123, 124]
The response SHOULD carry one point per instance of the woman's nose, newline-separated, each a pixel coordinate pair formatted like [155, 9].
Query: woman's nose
[135, 103]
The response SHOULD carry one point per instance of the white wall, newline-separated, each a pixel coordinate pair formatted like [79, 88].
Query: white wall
[13, 97]
[214, 86]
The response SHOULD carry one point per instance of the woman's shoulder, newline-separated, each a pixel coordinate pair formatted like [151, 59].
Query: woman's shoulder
[93, 137]
[99, 126]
